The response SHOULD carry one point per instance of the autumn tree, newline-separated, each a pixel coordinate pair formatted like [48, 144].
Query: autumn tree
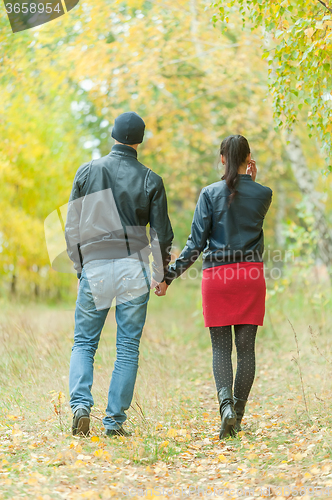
[297, 44]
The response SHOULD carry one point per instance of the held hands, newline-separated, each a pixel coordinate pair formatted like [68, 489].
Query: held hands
[160, 288]
[252, 169]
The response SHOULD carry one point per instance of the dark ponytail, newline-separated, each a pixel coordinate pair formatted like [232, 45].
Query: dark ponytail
[235, 149]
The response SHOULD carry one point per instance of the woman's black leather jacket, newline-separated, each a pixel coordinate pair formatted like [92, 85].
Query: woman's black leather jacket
[225, 233]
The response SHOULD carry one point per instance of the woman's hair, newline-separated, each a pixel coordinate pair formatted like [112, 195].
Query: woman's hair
[235, 149]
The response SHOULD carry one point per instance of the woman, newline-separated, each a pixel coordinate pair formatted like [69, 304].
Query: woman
[228, 228]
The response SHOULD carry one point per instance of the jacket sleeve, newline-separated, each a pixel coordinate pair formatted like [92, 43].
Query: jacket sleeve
[268, 201]
[161, 233]
[72, 228]
[200, 230]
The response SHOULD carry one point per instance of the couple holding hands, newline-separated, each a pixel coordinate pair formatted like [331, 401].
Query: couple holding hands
[113, 200]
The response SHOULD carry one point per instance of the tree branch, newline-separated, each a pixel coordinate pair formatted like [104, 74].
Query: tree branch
[323, 3]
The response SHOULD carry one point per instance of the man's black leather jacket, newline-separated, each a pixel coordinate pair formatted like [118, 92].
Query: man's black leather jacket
[226, 233]
[112, 201]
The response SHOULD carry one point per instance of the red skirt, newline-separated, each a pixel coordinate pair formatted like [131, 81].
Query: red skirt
[234, 294]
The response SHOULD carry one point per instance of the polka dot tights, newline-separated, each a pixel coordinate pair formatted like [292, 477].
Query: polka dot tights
[221, 338]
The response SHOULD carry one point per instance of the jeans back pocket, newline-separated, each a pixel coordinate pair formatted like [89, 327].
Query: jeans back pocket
[89, 293]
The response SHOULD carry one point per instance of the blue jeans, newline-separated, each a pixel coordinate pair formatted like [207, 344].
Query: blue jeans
[108, 279]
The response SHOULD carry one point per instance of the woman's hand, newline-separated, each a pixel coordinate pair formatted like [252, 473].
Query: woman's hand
[161, 289]
[252, 169]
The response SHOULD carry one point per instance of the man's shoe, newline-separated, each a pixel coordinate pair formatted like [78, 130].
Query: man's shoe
[239, 406]
[117, 432]
[81, 422]
[227, 413]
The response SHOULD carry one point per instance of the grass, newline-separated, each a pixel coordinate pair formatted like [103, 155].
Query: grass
[174, 415]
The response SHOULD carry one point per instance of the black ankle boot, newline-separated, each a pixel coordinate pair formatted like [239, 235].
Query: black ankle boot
[239, 406]
[117, 432]
[81, 422]
[227, 413]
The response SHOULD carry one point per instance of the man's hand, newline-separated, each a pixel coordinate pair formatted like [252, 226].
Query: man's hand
[154, 284]
[78, 285]
[160, 288]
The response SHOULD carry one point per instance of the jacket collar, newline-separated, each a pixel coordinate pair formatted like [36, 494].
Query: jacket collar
[123, 150]
[245, 177]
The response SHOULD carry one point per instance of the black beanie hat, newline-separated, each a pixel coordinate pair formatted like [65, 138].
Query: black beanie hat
[128, 128]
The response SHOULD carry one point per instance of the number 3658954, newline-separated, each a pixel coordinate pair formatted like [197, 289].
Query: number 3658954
[32, 8]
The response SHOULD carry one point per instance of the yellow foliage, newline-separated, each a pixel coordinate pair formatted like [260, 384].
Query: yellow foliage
[172, 433]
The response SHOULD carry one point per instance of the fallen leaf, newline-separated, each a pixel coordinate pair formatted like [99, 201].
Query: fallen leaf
[98, 453]
[172, 433]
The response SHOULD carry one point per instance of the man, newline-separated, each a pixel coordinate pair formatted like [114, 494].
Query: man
[113, 199]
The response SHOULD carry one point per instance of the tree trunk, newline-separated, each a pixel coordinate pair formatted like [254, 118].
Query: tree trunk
[37, 291]
[305, 183]
[13, 285]
[280, 216]
[315, 207]
[194, 31]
